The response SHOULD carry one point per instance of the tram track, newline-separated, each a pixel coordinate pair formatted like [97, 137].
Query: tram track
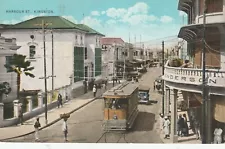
[122, 135]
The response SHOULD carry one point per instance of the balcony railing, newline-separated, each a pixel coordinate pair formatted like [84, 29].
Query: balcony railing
[192, 76]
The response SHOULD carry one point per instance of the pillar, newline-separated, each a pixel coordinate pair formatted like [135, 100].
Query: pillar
[174, 137]
[30, 103]
[1, 112]
[40, 100]
[166, 102]
[16, 108]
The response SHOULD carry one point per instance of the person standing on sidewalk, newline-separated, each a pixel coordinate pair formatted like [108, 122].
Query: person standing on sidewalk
[218, 135]
[180, 125]
[94, 90]
[196, 126]
[36, 127]
[166, 127]
[59, 100]
[65, 129]
[161, 121]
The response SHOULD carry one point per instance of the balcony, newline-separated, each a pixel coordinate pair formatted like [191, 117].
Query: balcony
[192, 76]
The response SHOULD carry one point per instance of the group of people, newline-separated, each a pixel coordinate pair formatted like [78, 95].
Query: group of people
[37, 126]
[182, 126]
[165, 125]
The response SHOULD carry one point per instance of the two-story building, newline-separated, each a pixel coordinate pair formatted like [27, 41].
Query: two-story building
[189, 80]
[74, 49]
[113, 51]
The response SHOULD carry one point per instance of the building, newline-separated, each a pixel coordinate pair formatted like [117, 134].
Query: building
[76, 48]
[8, 47]
[113, 51]
[188, 81]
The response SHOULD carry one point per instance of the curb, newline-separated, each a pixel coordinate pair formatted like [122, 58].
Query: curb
[53, 122]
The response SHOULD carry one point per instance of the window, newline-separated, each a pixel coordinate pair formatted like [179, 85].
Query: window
[81, 39]
[8, 60]
[85, 53]
[76, 38]
[32, 52]
[86, 71]
[96, 41]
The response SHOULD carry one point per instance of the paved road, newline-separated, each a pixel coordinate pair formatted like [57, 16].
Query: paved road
[85, 124]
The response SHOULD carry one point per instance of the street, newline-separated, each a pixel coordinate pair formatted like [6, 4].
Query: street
[85, 124]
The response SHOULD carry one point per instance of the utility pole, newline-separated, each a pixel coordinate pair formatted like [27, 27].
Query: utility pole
[53, 76]
[162, 79]
[204, 83]
[43, 24]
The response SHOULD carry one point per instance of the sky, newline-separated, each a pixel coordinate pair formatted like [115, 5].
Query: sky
[147, 20]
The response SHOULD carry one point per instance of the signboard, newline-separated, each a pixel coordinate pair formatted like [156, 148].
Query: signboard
[194, 80]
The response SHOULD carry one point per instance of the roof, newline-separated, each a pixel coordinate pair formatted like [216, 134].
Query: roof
[57, 22]
[110, 41]
[125, 89]
[143, 87]
[88, 29]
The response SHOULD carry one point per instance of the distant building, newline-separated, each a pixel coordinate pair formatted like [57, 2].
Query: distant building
[77, 51]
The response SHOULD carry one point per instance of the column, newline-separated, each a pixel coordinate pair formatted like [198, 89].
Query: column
[1, 112]
[30, 103]
[166, 101]
[173, 136]
[40, 100]
[16, 108]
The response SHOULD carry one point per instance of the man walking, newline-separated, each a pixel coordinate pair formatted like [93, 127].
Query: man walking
[94, 90]
[65, 129]
[180, 125]
[36, 127]
[59, 100]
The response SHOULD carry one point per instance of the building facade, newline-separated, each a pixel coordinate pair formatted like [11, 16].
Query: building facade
[114, 50]
[8, 47]
[188, 81]
[74, 49]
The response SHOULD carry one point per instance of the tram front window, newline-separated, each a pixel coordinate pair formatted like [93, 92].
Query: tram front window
[116, 103]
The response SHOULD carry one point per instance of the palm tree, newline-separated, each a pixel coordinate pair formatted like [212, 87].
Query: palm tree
[19, 65]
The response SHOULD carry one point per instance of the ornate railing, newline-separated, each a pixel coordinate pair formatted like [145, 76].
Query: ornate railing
[193, 76]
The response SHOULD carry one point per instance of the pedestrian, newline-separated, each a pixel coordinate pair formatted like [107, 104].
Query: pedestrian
[85, 86]
[161, 121]
[20, 112]
[154, 85]
[196, 126]
[36, 127]
[218, 135]
[180, 125]
[185, 128]
[94, 90]
[60, 100]
[65, 129]
[166, 127]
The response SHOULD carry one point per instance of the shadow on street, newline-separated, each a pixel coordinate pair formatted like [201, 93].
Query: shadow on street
[145, 121]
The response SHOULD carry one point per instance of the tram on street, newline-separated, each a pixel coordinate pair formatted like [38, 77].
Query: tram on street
[120, 107]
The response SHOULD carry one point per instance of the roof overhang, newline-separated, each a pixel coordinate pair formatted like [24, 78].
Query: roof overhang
[193, 32]
[185, 5]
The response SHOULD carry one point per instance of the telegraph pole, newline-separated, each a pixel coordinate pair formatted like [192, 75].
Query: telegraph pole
[162, 79]
[204, 83]
[43, 24]
[52, 76]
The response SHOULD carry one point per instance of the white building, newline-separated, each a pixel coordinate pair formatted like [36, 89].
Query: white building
[77, 51]
[113, 50]
[8, 47]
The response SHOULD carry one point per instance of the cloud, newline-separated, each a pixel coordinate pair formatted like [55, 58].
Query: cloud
[91, 21]
[10, 21]
[166, 19]
[103, 12]
[70, 18]
[116, 13]
[95, 13]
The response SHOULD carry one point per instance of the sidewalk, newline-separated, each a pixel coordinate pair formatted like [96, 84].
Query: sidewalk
[53, 116]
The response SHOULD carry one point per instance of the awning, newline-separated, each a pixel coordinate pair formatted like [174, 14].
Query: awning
[219, 108]
[194, 31]
[185, 5]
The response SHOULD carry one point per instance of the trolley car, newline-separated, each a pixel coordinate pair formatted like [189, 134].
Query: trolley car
[120, 107]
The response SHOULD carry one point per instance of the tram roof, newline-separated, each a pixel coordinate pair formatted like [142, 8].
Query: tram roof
[124, 89]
